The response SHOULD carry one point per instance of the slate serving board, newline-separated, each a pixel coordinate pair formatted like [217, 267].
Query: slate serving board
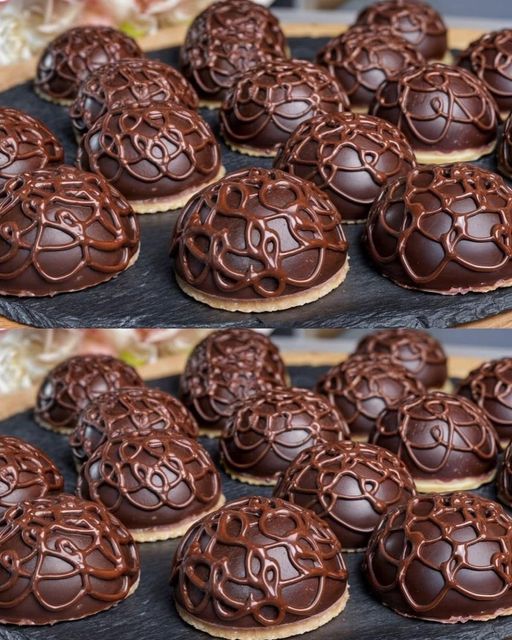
[150, 613]
[147, 295]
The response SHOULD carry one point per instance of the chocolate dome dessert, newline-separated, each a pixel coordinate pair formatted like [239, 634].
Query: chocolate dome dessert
[504, 479]
[505, 150]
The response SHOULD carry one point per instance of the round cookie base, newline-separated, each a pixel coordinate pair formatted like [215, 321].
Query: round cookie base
[267, 633]
[210, 104]
[63, 431]
[455, 619]
[210, 433]
[247, 478]
[63, 102]
[454, 291]
[467, 155]
[447, 486]
[253, 152]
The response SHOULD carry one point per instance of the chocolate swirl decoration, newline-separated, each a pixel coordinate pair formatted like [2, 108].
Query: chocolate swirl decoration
[444, 229]
[349, 485]
[362, 58]
[262, 565]
[444, 558]
[417, 22]
[62, 229]
[25, 145]
[490, 387]
[441, 438]
[63, 558]
[73, 384]
[442, 107]
[26, 472]
[128, 82]
[505, 150]
[126, 411]
[266, 432]
[267, 103]
[74, 54]
[363, 386]
[349, 156]
[504, 480]
[152, 482]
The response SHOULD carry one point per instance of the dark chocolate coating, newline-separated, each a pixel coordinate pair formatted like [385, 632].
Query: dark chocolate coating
[125, 411]
[296, 237]
[284, 553]
[504, 479]
[444, 229]
[417, 22]
[26, 144]
[349, 485]
[128, 82]
[440, 108]
[153, 151]
[74, 54]
[268, 103]
[226, 367]
[63, 558]
[416, 350]
[505, 150]
[26, 472]
[269, 430]
[362, 58]
[490, 387]
[363, 386]
[62, 229]
[71, 385]
[443, 557]
[153, 480]
[349, 156]
[439, 436]
[490, 59]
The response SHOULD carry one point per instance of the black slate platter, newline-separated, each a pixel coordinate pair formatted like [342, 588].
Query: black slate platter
[147, 295]
[150, 613]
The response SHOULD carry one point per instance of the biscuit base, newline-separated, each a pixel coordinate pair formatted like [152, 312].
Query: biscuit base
[248, 478]
[63, 102]
[456, 619]
[359, 437]
[454, 291]
[270, 304]
[210, 433]
[467, 155]
[447, 486]
[275, 632]
[210, 104]
[254, 152]
[63, 431]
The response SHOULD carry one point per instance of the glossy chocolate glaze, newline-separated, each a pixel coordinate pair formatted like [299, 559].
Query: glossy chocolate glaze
[439, 436]
[363, 386]
[270, 429]
[349, 485]
[443, 558]
[126, 411]
[258, 234]
[63, 558]
[63, 230]
[226, 367]
[504, 479]
[505, 150]
[74, 54]
[258, 563]
[73, 384]
[349, 156]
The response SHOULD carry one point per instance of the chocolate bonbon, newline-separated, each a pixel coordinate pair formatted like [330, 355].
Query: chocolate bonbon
[259, 240]
[363, 386]
[63, 230]
[282, 571]
[266, 104]
[64, 558]
[157, 483]
[505, 150]
[444, 229]
[71, 385]
[349, 485]
[156, 154]
[443, 558]
[445, 441]
[70, 57]
[349, 156]
[269, 430]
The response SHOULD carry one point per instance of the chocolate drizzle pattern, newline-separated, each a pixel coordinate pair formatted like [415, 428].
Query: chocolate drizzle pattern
[363, 386]
[62, 229]
[445, 229]
[269, 430]
[349, 485]
[505, 149]
[63, 558]
[504, 481]
[444, 558]
[258, 563]
[256, 234]
[26, 472]
[349, 156]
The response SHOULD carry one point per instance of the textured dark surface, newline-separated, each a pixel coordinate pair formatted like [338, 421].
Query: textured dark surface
[150, 614]
[147, 295]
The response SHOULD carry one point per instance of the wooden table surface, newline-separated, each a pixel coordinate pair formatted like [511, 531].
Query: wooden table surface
[173, 36]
